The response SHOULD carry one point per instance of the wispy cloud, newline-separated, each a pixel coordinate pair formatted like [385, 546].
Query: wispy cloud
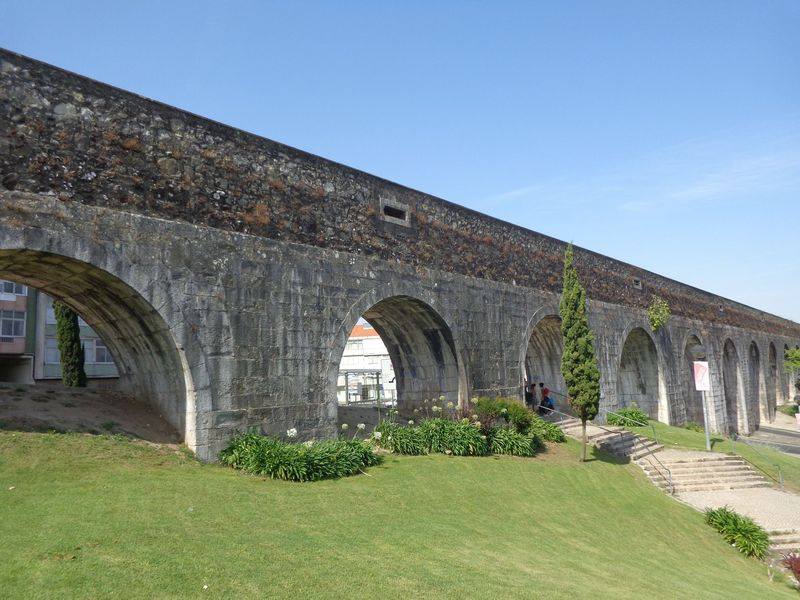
[723, 167]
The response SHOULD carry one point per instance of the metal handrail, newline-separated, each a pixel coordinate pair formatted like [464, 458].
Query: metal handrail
[636, 423]
[670, 485]
[779, 480]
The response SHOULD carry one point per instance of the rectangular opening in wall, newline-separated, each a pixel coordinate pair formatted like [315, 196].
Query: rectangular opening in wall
[395, 212]
[637, 283]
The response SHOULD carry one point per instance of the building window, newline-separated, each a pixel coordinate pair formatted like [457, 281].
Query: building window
[95, 351]
[12, 324]
[9, 287]
[51, 353]
[102, 356]
[50, 315]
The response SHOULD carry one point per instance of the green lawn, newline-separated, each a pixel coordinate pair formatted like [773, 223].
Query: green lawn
[762, 456]
[93, 516]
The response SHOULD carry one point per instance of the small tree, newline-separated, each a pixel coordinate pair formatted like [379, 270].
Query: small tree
[578, 362]
[68, 337]
[658, 313]
[791, 361]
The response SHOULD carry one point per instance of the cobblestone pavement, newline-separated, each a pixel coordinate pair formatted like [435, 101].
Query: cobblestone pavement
[772, 509]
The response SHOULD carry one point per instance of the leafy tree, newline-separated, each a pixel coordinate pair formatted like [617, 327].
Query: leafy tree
[68, 337]
[791, 359]
[578, 362]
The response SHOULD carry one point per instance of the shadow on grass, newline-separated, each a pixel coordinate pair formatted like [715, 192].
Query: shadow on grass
[597, 454]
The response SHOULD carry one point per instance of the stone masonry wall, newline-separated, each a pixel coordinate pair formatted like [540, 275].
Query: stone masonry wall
[93, 144]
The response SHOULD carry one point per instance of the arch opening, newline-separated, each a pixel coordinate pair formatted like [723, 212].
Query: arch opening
[772, 382]
[150, 367]
[693, 403]
[400, 354]
[543, 360]
[753, 400]
[640, 380]
[732, 387]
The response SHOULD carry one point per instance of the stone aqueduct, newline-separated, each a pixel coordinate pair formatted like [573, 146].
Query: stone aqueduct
[225, 272]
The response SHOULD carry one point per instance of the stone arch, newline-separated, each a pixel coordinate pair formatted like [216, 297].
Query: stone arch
[640, 376]
[423, 350]
[541, 357]
[693, 349]
[753, 397]
[150, 363]
[733, 387]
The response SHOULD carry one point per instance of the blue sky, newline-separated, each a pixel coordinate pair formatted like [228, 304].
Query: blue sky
[666, 134]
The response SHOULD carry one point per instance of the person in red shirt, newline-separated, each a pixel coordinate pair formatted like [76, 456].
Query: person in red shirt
[546, 402]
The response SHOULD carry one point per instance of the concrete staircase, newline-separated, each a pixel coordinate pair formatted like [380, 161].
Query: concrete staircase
[617, 441]
[784, 542]
[702, 473]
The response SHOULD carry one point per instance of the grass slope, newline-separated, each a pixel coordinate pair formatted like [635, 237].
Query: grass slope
[93, 516]
[763, 457]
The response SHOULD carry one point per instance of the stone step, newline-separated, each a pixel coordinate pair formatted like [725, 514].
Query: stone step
[679, 488]
[708, 480]
[705, 466]
[647, 451]
[786, 538]
[700, 472]
[628, 446]
[710, 459]
[785, 548]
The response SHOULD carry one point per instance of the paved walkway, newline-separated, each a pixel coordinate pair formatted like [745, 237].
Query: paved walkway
[772, 509]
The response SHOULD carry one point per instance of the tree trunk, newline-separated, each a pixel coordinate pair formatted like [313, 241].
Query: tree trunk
[583, 446]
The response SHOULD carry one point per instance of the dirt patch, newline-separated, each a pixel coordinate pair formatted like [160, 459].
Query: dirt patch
[45, 408]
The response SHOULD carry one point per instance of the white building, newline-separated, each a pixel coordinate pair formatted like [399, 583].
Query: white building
[366, 375]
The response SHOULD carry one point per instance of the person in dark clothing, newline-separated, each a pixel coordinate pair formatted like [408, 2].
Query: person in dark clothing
[529, 387]
[546, 403]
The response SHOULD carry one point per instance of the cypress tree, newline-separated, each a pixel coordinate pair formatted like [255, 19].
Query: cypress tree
[578, 362]
[68, 337]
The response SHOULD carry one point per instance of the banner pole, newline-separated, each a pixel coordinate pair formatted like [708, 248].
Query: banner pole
[705, 422]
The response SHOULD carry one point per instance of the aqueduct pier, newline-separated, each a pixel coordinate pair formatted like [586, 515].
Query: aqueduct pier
[225, 272]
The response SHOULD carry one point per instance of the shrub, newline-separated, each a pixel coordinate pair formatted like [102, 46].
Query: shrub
[692, 426]
[488, 410]
[630, 417]
[789, 409]
[519, 416]
[506, 440]
[744, 533]
[437, 433]
[658, 313]
[263, 455]
[465, 439]
[547, 431]
[402, 440]
[792, 562]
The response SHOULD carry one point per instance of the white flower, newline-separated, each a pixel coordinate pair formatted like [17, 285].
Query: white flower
[465, 421]
[292, 433]
[504, 410]
[308, 444]
[410, 422]
[436, 408]
[345, 426]
[474, 417]
[448, 451]
[442, 398]
[377, 435]
[450, 405]
[483, 437]
[361, 426]
[477, 424]
[205, 587]
[416, 411]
